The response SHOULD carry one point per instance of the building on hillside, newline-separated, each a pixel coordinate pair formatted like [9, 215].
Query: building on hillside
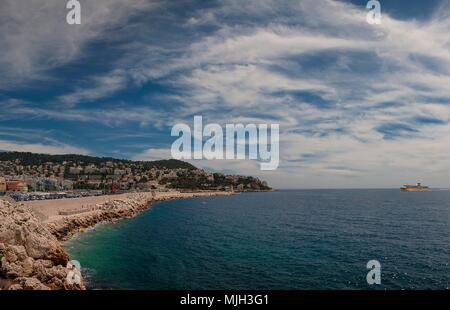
[91, 169]
[119, 172]
[16, 186]
[67, 185]
[75, 170]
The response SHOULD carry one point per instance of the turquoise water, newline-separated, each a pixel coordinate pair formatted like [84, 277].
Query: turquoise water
[306, 239]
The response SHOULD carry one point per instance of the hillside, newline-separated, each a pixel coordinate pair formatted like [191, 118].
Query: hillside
[50, 173]
[38, 159]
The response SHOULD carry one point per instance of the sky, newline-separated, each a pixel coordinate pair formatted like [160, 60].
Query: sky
[359, 105]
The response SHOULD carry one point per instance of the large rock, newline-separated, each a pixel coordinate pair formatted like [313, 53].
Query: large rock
[31, 258]
[32, 284]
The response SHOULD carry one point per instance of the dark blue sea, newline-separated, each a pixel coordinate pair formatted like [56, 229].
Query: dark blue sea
[302, 239]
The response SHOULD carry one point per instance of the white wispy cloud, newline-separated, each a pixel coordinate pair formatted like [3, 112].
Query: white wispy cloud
[358, 105]
[6, 145]
[153, 154]
[35, 37]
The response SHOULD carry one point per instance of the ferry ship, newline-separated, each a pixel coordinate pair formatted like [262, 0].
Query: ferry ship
[415, 188]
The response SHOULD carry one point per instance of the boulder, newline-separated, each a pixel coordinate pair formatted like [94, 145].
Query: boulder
[31, 257]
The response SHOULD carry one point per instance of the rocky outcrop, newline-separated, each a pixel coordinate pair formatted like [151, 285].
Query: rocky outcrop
[31, 258]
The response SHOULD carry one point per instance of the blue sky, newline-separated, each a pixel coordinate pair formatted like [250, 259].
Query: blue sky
[358, 105]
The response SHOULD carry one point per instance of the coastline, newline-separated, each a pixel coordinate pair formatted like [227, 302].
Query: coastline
[32, 254]
[111, 209]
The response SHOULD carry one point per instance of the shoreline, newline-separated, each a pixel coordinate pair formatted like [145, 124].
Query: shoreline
[32, 235]
[112, 209]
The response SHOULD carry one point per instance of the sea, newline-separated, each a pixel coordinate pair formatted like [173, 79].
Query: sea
[288, 239]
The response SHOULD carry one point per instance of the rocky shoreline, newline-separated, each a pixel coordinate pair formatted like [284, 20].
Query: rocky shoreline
[111, 211]
[31, 255]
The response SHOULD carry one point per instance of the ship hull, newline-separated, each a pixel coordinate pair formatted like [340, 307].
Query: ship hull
[415, 189]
